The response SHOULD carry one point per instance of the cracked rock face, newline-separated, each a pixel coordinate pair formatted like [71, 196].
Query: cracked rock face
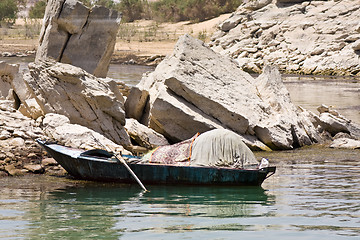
[77, 35]
[300, 37]
[196, 90]
[84, 99]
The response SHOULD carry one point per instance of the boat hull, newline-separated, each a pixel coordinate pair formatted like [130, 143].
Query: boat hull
[105, 169]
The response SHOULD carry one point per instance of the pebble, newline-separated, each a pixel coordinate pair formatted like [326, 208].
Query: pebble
[49, 162]
[13, 171]
[34, 168]
[17, 142]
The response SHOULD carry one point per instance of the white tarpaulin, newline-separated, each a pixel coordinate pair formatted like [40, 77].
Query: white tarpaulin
[221, 148]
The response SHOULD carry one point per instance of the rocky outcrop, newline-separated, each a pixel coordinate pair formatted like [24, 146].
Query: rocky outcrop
[20, 154]
[306, 37]
[83, 98]
[17, 147]
[77, 35]
[196, 89]
[334, 123]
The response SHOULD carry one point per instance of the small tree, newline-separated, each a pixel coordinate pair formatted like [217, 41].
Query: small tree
[8, 11]
[193, 10]
[38, 10]
[131, 9]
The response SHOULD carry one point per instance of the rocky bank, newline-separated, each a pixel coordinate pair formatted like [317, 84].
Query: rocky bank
[299, 36]
[196, 89]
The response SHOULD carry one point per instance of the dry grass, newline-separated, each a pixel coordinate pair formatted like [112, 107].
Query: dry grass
[146, 37]
[141, 38]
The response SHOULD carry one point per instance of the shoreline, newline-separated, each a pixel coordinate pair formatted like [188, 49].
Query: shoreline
[142, 59]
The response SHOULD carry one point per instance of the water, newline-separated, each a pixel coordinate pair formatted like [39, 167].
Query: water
[314, 195]
[129, 74]
[343, 94]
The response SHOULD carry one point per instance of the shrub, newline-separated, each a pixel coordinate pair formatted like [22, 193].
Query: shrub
[133, 10]
[38, 10]
[8, 11]
[193, 10]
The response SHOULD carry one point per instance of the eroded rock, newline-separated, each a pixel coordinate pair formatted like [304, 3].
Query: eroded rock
[77, 35]
[58, 127]
[86, 100]
[196, 89]
[8, 72]
[309, 37]
[346, 143]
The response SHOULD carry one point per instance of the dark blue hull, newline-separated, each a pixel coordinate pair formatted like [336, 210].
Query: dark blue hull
[106, 169]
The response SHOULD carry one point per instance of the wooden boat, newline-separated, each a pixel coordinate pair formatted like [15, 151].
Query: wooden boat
[99, 165]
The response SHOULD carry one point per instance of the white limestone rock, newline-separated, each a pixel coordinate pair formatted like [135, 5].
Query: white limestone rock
[195, 90]
[58, 127]
[77, 35]
[346, 143]
[86, 100]
[323, 33]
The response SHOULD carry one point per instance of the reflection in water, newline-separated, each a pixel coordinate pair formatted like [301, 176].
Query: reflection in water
[77, 213]
[87, 211]
[191, 209]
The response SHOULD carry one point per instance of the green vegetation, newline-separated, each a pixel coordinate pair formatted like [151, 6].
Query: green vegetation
[38, 10]
[8, 11]
[191, 10]
[161, 10]
[133, 10]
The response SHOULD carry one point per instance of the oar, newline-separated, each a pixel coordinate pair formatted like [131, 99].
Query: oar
[123, 162]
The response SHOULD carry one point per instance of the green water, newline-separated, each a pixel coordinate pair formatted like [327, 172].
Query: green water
[314, 195]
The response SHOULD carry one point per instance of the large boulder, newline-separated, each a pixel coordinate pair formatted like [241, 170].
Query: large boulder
[86, 100]
[77, 35]
[196, 89]
[308, 37]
